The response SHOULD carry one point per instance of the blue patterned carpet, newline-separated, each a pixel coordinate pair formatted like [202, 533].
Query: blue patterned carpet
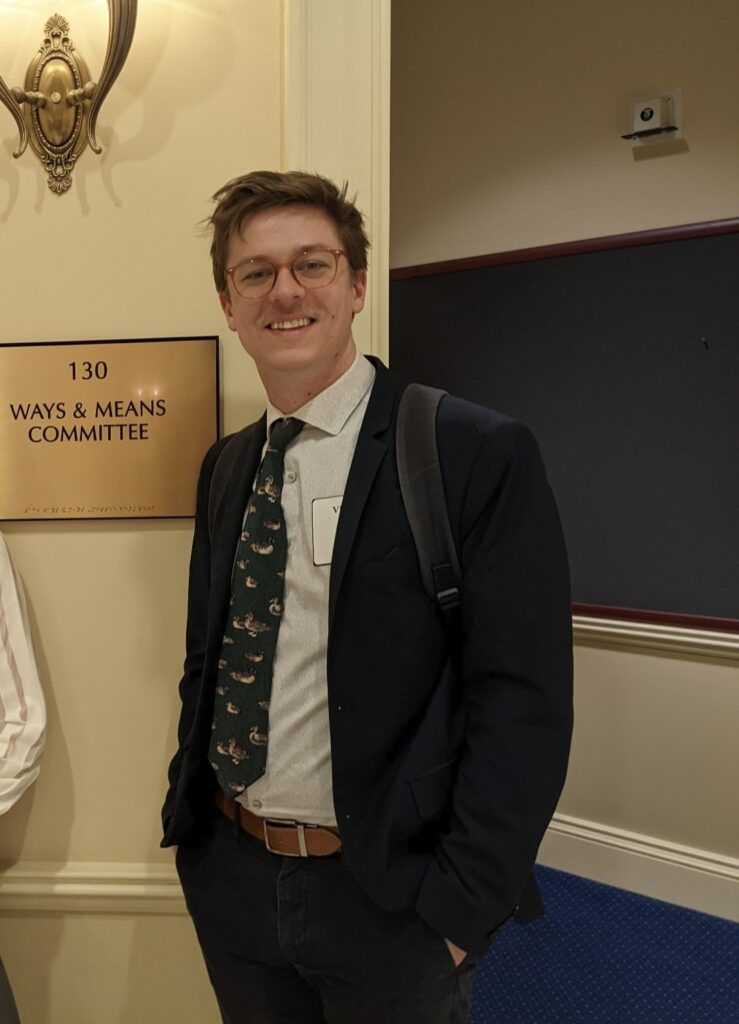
[605, 956]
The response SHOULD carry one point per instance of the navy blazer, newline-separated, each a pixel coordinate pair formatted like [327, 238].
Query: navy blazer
[449, 748]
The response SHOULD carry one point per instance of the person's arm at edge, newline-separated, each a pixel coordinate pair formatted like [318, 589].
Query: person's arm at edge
[22, 706]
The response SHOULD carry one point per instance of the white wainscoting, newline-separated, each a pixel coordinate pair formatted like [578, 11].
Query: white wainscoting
[649, 636]
[102, 888]
[698, 879]
[652, 636]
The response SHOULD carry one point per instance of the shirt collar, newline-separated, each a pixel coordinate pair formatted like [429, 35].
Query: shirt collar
[330, 409]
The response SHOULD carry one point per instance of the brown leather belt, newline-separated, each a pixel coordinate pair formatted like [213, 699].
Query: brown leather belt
[287, 838]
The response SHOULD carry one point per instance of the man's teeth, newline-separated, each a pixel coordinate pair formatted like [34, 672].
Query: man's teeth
[286, 325]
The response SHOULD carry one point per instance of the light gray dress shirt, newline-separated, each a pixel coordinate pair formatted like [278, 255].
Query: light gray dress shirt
[297, 781]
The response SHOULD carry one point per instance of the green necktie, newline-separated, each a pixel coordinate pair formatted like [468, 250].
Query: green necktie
[238, 747]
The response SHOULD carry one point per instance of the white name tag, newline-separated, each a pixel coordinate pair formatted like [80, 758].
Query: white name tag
[325, 520]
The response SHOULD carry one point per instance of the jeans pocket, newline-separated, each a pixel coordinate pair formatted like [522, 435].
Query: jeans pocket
[438, 949]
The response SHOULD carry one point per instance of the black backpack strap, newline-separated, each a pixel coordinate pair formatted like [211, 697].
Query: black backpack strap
[422, 487]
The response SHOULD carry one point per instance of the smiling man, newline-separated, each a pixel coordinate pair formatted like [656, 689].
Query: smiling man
[299, 337]
[359, 790]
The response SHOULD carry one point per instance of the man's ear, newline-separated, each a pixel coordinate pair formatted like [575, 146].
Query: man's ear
[359, 283]
[225, 300]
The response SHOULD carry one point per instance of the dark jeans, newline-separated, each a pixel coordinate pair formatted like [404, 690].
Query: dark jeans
[296, 941]
[8, 1011]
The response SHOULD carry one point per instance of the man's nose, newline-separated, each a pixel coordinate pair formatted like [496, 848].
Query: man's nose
[286, 286]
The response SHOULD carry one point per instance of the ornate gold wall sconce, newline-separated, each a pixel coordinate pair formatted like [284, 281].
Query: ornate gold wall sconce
[57, 111]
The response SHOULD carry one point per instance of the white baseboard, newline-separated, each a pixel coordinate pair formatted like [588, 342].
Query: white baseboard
[692, 878]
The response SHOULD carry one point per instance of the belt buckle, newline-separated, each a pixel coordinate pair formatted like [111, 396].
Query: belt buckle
[285, 823]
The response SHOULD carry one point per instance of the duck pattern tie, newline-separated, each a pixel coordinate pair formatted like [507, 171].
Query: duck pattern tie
[238, 747]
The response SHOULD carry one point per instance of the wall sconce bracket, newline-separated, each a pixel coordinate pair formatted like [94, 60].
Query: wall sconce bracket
[57, 110]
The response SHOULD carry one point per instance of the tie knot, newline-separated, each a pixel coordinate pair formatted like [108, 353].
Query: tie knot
[283, 431]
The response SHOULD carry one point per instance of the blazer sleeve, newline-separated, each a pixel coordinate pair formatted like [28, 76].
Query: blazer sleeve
[22, 707]
[197, 624]
[515, 669]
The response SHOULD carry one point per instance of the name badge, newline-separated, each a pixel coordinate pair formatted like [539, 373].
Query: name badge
[325, 520]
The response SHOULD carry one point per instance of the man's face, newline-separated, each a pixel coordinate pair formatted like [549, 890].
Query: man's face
[293, 328]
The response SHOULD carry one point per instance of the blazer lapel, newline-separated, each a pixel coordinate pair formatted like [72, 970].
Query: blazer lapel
[371, 449]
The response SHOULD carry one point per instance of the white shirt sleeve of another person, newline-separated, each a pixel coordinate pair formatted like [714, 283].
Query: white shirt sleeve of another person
[22, 707]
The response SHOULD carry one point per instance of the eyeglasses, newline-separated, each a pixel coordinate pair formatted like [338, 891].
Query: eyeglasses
[314, 268]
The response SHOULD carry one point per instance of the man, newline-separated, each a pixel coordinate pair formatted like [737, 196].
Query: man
[22, 715]
[359, 790]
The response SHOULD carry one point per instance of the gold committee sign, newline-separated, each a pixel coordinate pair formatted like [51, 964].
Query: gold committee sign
[105, 429]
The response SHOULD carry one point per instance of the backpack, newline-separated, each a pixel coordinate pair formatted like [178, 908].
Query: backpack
[422, 488]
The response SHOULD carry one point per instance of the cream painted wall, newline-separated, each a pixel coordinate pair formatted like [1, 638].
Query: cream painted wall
[505, 134]
[120, 969]
[506, 119]
[92, 927]
[119, 257]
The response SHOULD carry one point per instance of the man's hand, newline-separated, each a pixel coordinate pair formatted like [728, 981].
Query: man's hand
[458, 954]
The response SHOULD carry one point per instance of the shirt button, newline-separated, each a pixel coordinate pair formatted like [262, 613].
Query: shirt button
[291, 477]
[256, 803]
